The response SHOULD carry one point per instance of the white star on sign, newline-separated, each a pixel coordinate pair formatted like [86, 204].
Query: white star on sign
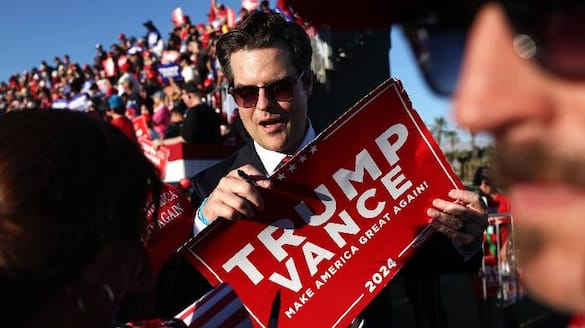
[302, 158]
[281, 176]
[292, 168]
[313, 149]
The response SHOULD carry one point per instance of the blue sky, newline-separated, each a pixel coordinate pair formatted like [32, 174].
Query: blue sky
[36, 30]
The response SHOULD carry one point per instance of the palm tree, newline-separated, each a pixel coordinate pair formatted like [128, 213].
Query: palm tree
[473, 134]
[438, 128]
[453, 138]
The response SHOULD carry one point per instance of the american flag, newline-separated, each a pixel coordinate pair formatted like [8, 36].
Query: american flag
[220, 307]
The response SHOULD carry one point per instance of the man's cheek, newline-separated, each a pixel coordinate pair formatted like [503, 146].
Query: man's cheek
[529, 241]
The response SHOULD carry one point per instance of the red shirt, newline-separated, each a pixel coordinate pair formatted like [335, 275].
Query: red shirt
[125, 125]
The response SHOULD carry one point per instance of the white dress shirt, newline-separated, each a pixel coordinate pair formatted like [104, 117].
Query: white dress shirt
[271, 159]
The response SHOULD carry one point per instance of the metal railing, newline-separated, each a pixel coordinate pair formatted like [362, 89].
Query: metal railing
[499, 270]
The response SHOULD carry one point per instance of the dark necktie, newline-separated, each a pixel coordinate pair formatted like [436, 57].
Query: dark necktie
[284, 160]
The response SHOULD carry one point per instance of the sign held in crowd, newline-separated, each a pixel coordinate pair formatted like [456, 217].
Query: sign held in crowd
[169, 226]
[343, 216]
[170, 71]
[141, 128]
[158, 156]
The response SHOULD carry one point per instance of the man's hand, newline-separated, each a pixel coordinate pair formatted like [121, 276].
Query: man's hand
[156, 143]
[462, 220]
[235, 197]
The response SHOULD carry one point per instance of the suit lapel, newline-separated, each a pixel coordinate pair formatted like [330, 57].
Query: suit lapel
[248, 155]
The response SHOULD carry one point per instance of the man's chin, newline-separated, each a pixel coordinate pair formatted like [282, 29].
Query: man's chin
[562, 303]
[556, 280]
[276, 142]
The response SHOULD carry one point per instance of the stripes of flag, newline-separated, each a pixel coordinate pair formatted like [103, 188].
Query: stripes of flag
[178, 18]
[220, 307]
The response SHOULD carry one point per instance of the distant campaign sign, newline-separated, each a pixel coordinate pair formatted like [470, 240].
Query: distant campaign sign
[170, 71]
[158, 156]
[141, 128]
[169, 226]
[345, 214]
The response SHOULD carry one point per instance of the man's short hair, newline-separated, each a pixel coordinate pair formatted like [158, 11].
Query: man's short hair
[263, 30]
[192, 87]
[482, 173]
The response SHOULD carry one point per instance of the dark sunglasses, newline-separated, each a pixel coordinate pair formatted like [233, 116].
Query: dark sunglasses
[281, 90]
[550, 32]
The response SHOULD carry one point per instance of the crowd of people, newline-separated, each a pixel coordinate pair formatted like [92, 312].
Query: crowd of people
[148, 73]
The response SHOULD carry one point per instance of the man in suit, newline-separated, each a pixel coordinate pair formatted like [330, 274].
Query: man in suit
[266, 61]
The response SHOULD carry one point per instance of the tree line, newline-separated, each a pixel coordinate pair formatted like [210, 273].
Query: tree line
[465, 154]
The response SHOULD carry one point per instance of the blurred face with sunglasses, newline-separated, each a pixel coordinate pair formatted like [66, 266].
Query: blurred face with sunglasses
[271, 95]
[522, 80]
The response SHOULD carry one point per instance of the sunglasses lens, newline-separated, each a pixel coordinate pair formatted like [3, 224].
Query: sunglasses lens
[246, 96]
[439, 53]
[283, 90]
[550, 32]
[556, 31]
[565, 57]
[444, 66]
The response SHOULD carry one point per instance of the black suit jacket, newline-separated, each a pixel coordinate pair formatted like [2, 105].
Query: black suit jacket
[206, 181]
[179, 284]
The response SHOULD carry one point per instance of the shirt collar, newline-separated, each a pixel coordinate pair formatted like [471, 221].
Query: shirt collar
[270, 159]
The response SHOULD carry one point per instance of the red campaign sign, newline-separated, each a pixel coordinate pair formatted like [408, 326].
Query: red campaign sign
[173, 226]
[109, 67]
[159, 157]
[344, 215]
[141, 128]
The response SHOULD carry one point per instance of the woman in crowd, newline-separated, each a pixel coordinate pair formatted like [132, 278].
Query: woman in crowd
[161, 115]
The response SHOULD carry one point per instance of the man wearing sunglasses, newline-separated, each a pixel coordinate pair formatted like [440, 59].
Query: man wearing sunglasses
[529, 95]
[267, 62]
[522, 81]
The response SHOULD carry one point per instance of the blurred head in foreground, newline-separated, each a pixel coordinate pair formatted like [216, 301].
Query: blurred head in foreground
[72, 196]
[528, 94]
[522, 81]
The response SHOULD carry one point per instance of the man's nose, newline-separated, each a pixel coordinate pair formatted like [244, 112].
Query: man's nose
[497, 88]
[264, 99]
